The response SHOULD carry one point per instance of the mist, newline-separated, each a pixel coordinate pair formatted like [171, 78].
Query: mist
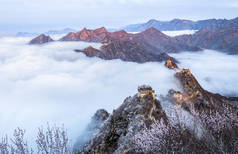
[52, 83]
[179, 32]
[215, 71]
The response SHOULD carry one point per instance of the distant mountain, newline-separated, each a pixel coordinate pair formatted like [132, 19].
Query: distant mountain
[50, 32]
[41, 39]
[147, 46]
[97, 35]
[126, 51]
[151, 44]
[225, 40]
[180, 24]
[151, 39]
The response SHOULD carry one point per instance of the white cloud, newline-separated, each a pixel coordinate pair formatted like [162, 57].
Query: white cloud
[215, 71]
[179, 32]
[52, 83]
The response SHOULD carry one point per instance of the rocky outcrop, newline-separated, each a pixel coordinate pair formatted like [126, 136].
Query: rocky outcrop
[97, 35]
[126, 51]
[136, 112]
[171, 64]
[93, 127]
[41, 39]
[216, 114]
[91, 52]
[100, 116]
[225, 40]
[194, 97]
[140, 125]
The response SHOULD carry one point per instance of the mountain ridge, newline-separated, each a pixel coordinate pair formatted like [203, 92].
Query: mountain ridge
[197, 121]
[182, 24]
[225, 40]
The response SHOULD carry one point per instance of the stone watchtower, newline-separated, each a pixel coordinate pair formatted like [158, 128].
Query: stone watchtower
[145, 90]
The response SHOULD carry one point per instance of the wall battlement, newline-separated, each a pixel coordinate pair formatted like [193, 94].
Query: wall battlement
[145, 90]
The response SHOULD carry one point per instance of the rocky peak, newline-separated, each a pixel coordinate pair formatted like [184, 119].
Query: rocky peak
[145, 90]
[153, 31]
[188, 82]
[93, 127]
[134, 114]
[171, 65]
[97, 35]
[152, 21]
[41, 39]
[100, 115]
[194, 97]
[90, 51]
[84, 34]
[101, 30]
[120, 35]
[84, 30]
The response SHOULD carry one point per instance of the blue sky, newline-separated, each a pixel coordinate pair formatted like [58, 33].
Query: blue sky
[41, 15]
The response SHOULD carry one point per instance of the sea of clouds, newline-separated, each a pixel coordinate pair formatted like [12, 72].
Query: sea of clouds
[179, 32]
[174, 33]
[52, 83]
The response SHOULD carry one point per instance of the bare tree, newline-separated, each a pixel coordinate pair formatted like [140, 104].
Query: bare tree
[53, 141]
[4, 146]
[18, 144]
[179, 136]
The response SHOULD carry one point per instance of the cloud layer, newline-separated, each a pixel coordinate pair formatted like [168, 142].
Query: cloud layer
[52, 83]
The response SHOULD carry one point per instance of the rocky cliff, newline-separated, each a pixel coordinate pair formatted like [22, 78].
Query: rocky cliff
[93, 127]
[208, 123]
[126, 51]
[136, 112]
[97, 35]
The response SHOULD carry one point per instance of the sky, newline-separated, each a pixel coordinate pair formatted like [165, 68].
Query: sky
[42, 15]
